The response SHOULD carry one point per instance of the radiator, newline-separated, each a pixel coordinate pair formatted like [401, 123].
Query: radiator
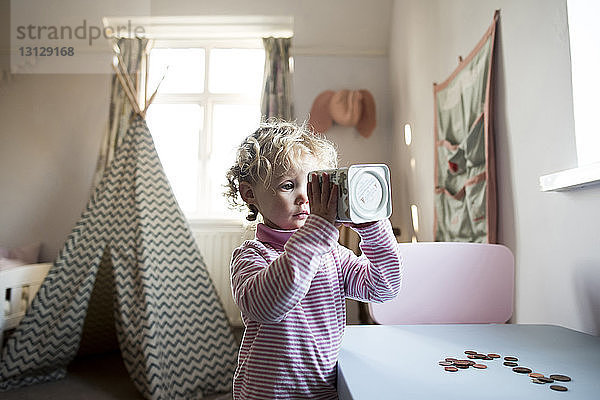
[216, 241]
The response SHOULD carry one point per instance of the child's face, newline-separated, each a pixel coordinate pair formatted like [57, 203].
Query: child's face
[284, 205]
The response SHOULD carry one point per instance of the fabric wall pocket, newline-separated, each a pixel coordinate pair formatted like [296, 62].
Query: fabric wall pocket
[452, 173]
[464, 211]
[465, 182]
[474, 144]
[475, 201]
[453, 157]
[452, 226]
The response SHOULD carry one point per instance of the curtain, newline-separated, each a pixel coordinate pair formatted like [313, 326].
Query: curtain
[120, 114]
[277, 98]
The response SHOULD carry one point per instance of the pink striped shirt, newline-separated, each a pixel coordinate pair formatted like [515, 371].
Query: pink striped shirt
[291, 287]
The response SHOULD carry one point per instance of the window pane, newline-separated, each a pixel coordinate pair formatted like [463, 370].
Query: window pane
[231, 124]
[176, 130]
[236, 71]
[185, 72]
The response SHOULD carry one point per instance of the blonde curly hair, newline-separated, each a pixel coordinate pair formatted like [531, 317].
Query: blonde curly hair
[276, 146]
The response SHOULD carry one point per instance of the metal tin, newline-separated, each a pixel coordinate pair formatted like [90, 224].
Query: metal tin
[364, 193]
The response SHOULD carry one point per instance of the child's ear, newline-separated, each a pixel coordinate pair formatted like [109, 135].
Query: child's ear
[247, 193]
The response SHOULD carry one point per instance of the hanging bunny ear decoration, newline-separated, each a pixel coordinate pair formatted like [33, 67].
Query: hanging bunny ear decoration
[345, 107]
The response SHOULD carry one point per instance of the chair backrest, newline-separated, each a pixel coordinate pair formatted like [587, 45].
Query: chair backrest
[451, 282]
[18, 287]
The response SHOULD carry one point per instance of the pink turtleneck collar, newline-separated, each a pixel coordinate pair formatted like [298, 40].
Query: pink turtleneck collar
[275, 237]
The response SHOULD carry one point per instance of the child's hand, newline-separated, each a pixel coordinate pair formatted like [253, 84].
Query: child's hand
[322, 199]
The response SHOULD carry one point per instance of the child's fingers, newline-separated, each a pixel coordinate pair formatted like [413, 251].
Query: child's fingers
[314, 189]
[322, 197]
[325, 189]
[332, 203]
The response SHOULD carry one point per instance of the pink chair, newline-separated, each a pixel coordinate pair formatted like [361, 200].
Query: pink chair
[451, 282]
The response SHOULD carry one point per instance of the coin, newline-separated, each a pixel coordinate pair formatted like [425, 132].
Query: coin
[536, 375]
[538, 381]
[521, 370]
[451, 369]
[511, 358]
[479, 366]
[462, 362]
[461, 366]
[470, 352]
[493, 355]
[558, 388]
[445, 363]
[471, 356]
[546, 380]
[510, 364]
[562, 378]
[450, 359]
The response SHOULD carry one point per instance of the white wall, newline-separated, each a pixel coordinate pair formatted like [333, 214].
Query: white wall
[50, 130]
[314, 74]
[341, 25]
[554, 236]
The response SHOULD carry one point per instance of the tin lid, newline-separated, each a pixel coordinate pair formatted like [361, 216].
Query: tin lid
[370, 195]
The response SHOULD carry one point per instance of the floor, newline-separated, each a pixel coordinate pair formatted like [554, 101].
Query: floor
[91, 378]
[97, 377]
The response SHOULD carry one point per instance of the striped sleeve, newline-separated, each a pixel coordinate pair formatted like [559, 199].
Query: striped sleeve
[376, 275]
[267, 291]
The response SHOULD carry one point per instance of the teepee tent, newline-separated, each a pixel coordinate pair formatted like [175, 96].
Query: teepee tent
[172, 331]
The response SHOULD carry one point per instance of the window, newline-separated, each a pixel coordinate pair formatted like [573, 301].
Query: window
[208, 101]
[584, 35]
[584, 40]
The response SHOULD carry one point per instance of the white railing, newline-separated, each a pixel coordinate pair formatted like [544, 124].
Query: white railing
[18, 287]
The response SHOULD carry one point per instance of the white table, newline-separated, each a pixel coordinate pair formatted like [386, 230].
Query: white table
[401, 362]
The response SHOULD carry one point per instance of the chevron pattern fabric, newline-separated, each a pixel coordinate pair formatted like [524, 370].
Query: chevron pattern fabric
[99, 335]
[173, 333]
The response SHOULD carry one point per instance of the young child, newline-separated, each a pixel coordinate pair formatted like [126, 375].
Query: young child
[291, 282]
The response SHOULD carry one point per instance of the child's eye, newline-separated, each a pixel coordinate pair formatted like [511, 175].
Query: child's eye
[287, 186]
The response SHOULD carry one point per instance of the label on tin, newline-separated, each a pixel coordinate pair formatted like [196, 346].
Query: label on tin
[369, 192]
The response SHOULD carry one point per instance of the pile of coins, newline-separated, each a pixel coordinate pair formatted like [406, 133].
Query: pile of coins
[451, 364]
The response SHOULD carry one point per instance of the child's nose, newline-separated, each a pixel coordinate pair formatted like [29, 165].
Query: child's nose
[302, 197]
